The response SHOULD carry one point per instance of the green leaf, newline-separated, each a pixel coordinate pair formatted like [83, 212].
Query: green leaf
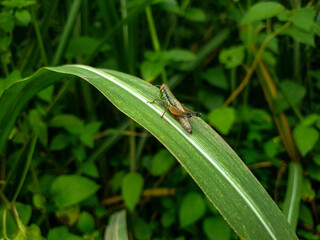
[117, 227]
[216, 77]
[305, 215]
[62, 233]
[232, 56]
[46, 94]
[300, 35]
[18, 3]
[222, 119]
[291, 204]
[88, 133]
[23, 16]
[261, 11]
[301, 17]
[194, 14]
[14, 76]
[60, 142]
[69, 215]
[7, 21]
[38, 126]
[216, 228]
[72, 189]
[91, 170]
[70, 122]
[214, 166]
[150, 70]
[292, 94]
[24, 212]
[310, 119]
[81, 46]
[161, 162]
[167, 218]
[132, 186]
[191, 209]
[86, 223]
[305, 138]
[179, 55]
[211, 101]
[29, 233]
[142, 230]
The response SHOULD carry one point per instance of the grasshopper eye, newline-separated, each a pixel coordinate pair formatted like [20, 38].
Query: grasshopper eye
[198, 114]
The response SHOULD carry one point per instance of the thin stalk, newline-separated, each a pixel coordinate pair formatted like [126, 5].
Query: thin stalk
[26, 168]
[66, 31]
[39, 38]
[152, 28]
[132, 142]
[173, 25]
[254, 64]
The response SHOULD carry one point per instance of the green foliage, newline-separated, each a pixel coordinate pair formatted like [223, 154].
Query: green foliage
[131, 189]
[222, 119]
[70, 160]
[192, 209]
[71, 189]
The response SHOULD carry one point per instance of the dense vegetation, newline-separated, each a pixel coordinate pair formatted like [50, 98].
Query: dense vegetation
[74, 164]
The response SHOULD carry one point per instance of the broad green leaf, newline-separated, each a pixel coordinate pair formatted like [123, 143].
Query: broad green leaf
[150, 70]
[142, 230]
[60, 141]
[117, 227]
[132, 185]
[308, 193]
[310, 119]
[168, 218]
[216, 228]
[269, 58]
[300, 35]
[301, 17]
[70, 122]
[305, 215]
[23, 16]
[86, 223]
[261, 11]
[62, 233]
[194, 14]
[18, 3]
[81, 46]
[91, 170]
[14, 76]
[211, 101]
[7, 21]
[46, 94]
[292, 200]
[292, 93]
[69, 215]
[222, 119]
[161, 162]
[232, 56]
[316, 159]
[214, 166]
[88, 133]
[24, 212]
[29, 233]
[191, 209]
[216, 77]
[179, 55]
[71, 189]
[305, 138]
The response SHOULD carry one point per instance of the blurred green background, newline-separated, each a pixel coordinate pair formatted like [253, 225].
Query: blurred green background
[250, 67]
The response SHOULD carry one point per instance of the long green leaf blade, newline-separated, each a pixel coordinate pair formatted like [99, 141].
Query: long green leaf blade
[215, 167]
